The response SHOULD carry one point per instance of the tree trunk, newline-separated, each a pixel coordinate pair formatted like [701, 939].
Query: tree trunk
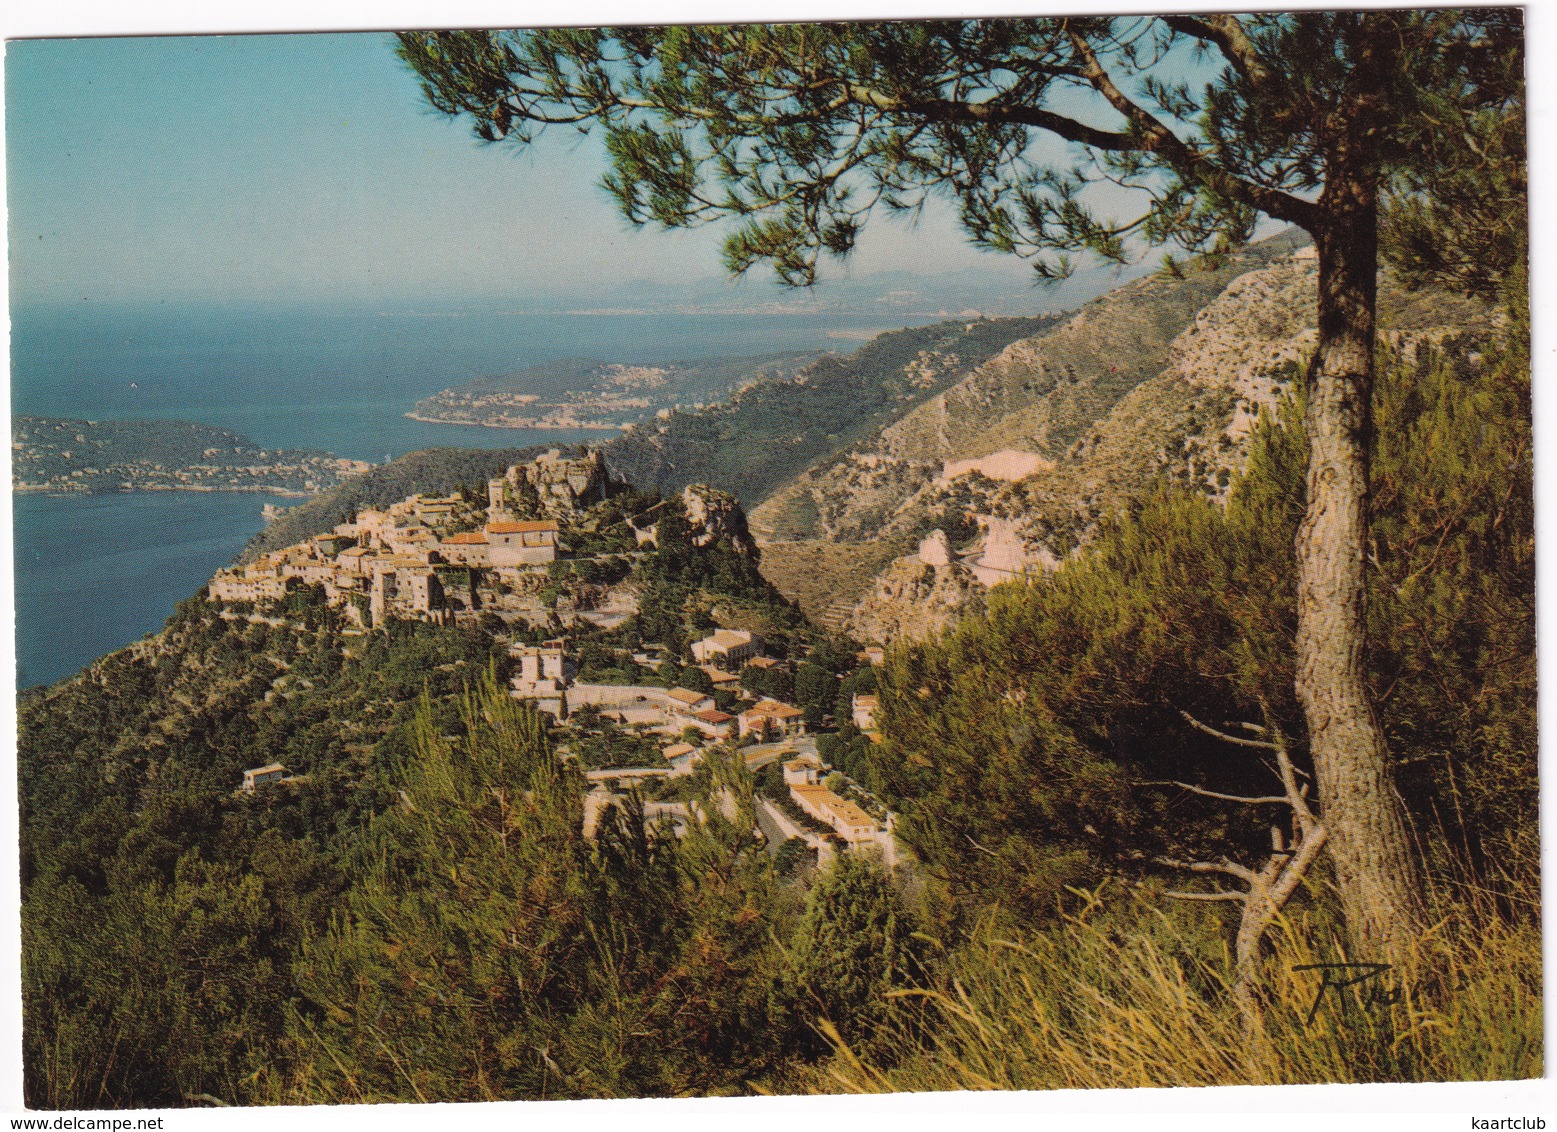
[1375, 863]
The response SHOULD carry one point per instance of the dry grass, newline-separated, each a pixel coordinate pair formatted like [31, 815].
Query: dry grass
[1086, 1005]
[820, 575]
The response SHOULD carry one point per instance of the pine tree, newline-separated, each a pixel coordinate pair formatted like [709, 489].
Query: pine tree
[799, 131]
[853, 946]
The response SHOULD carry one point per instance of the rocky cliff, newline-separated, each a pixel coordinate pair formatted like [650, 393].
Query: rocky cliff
[555, 483]
[912, 600]
[1038, 395]
[716, 516]
[1163, 379]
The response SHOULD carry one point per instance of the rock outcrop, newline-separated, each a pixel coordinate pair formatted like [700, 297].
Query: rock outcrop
[1164, 379]
[551, 485]
[1021, 411]
[717, 516]
[913, 600]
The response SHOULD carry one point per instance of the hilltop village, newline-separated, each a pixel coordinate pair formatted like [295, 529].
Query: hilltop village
[552, 559]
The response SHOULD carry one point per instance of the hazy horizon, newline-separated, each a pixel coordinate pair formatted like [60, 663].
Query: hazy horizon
[307, 167]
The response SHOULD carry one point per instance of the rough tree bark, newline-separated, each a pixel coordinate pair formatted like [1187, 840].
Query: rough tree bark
[1376, 868]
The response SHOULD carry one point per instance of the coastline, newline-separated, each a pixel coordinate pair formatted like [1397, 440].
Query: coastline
[62, 492]
[539, 425]
[136, 553]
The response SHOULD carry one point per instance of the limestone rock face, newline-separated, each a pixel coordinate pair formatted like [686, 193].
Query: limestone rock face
[1163, 379]
[934, 550]
[1011, 420]
[716, 515]
[552, 484]
[913, 600]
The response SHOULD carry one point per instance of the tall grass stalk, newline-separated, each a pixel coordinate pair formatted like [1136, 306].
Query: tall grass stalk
[1138, 997]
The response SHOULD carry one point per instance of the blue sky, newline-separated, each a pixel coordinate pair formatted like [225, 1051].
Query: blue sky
[306, 167]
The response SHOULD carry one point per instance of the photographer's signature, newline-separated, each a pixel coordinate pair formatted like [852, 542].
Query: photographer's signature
[1373, 989]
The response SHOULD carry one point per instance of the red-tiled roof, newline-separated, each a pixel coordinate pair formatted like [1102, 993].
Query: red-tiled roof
[775, 709]
[521, 528]
[467, 538]
[713, 716]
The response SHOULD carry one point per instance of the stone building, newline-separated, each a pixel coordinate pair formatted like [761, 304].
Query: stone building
[404, 587]
[552, 484]
[468, 548]
[527, 543]
[728, 649]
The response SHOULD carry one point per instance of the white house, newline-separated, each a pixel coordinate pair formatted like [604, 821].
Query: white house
[864, 711]
[727, 648]
[803, 770]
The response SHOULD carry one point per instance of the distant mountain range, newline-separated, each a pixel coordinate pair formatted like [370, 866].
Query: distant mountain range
[1005, 289]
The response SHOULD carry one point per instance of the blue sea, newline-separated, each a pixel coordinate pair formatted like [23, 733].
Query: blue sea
[94, 573]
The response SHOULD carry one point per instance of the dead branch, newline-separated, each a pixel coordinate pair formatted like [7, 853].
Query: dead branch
[1229, 868]
[1222, 735]
[1268, 888]
[1279, 799]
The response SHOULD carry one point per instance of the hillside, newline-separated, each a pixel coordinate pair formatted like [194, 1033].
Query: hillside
[1038, 395]
[1162, 378]
[774, 429]
[585, 393]
[814, 574]
[435, 882]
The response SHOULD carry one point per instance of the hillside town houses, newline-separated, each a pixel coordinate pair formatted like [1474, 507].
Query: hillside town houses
[727, 648]
[428, 558]
[446, 559]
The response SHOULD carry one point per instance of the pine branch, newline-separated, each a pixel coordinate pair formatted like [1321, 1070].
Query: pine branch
[1186, 161]
[1226, 34]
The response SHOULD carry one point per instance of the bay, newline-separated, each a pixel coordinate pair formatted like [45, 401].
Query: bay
[342, 380]
[94, 573]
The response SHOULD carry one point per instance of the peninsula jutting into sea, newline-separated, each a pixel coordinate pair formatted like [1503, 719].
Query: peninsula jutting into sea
[604, 396]
[59, 455]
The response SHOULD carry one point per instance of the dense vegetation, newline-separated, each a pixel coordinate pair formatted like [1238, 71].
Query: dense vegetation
[104, 455]
[421, 919]
[771, 431]
[1324, 120]
[1076, 685]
